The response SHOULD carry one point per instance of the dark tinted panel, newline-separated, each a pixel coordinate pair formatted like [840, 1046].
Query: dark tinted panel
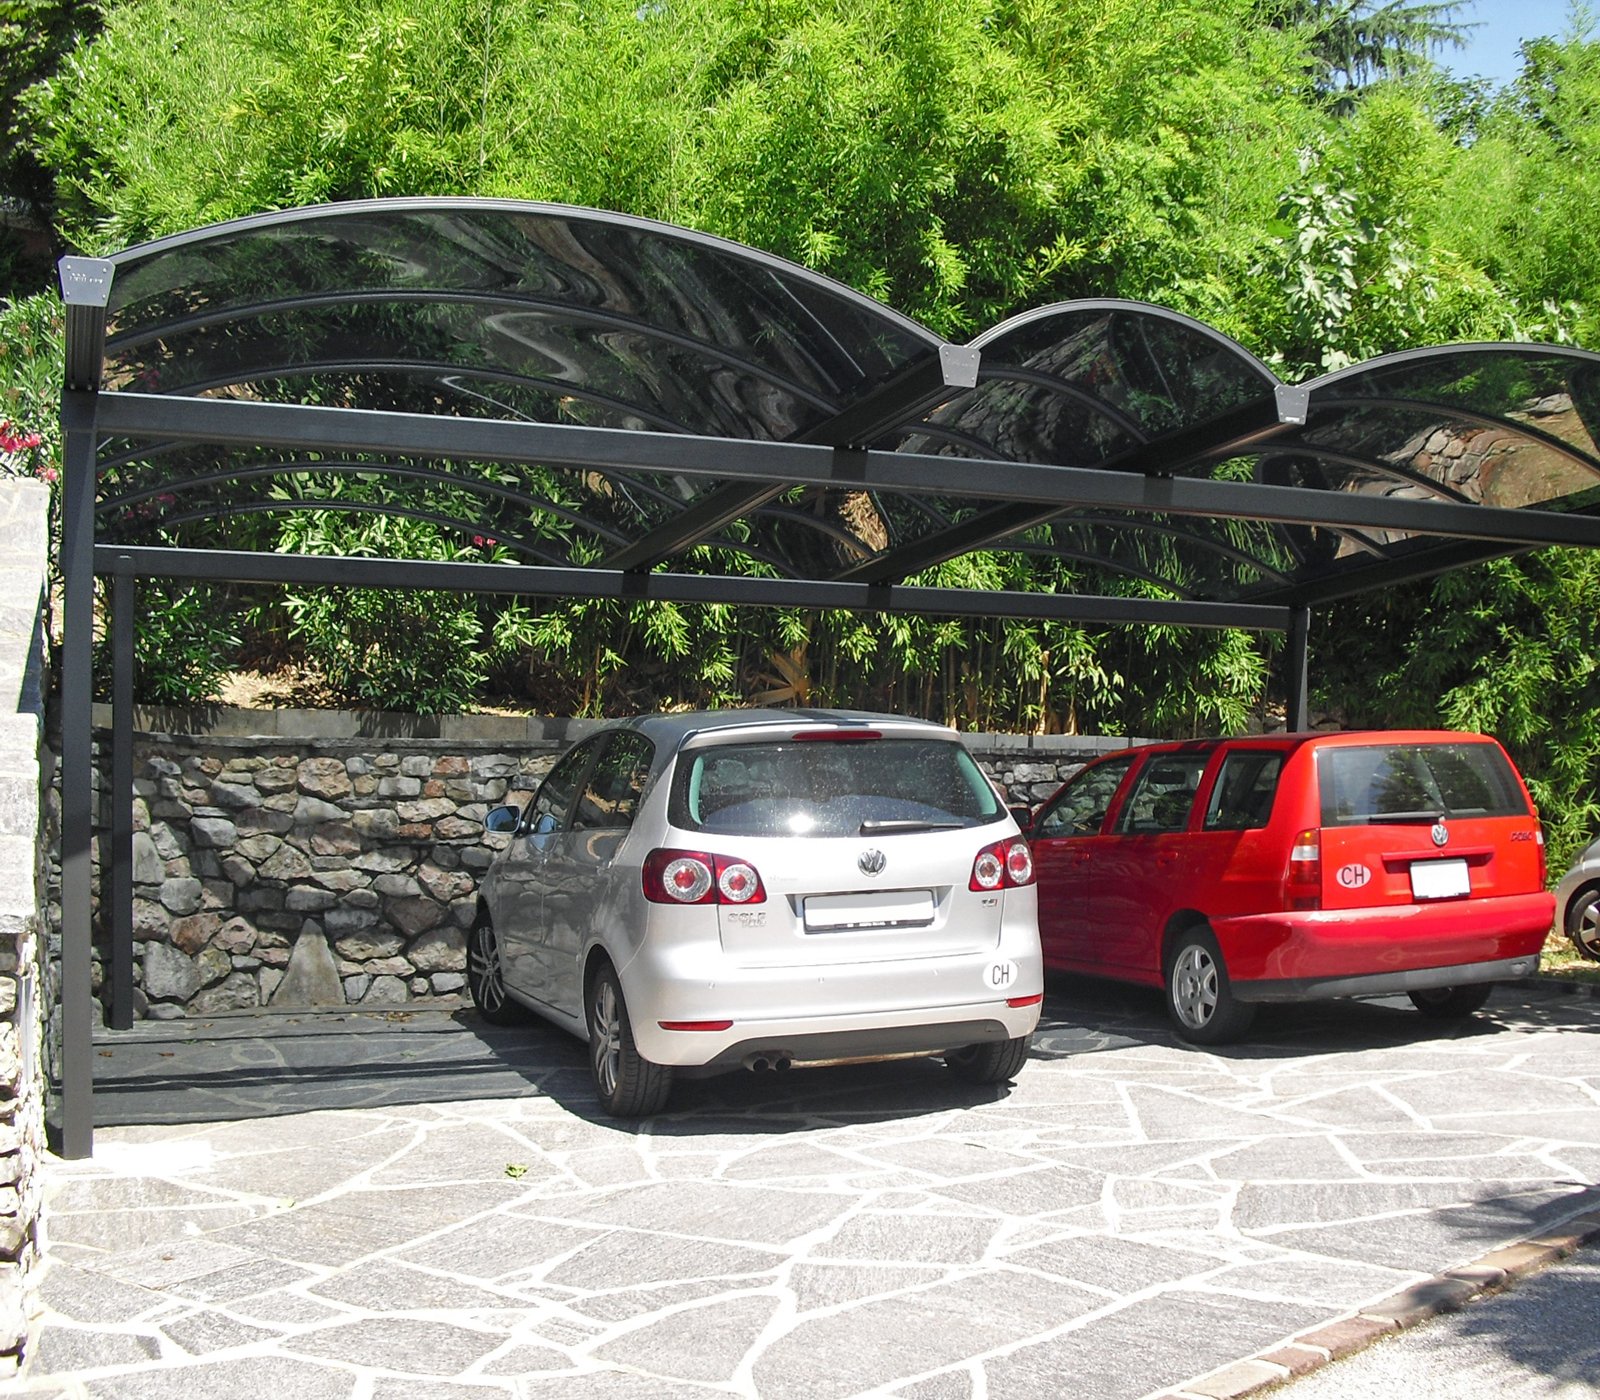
[1162, 794]
[610, 798]
[619, 309]
[1080, 809]
[1416, 783]
[1244, 790]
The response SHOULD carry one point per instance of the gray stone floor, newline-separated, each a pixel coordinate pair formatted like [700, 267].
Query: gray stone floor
[415, 1205]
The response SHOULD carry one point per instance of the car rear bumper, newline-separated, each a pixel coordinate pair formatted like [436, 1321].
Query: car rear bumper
[837, 1012]
[1386, 983]
[1379, 950]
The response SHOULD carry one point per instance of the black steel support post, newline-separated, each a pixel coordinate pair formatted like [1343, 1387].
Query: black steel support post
[124, 604]
[86, 289]
[1299, 670]
[77, 796]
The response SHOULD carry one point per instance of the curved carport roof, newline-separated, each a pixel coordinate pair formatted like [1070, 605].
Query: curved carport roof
[637, 410]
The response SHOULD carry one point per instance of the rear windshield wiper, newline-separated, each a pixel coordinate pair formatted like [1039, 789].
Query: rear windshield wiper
[879, 828]
[1406, 818]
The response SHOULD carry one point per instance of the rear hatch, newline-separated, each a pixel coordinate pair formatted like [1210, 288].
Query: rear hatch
[864, 839]
[1423, 822]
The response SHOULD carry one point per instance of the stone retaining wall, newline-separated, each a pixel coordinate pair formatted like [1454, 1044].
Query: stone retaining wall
[280, 871]
[24, 513]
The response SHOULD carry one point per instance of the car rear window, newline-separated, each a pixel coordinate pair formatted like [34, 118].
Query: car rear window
[872, 787]
[1416, 782]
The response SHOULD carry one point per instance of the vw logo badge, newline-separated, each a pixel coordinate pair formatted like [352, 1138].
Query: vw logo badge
[1441, 836]
[871, 862]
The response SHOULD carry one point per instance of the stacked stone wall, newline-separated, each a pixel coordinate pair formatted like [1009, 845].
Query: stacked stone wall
[276, 871]
[24, 512]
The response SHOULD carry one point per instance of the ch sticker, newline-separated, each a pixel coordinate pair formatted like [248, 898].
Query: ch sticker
[1000, 975]
[1353, 877]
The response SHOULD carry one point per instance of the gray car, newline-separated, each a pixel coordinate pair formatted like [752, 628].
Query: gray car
[1578, 902]
[763, 889]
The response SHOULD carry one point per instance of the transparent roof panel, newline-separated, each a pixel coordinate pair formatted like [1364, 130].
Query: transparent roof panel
[644, 323]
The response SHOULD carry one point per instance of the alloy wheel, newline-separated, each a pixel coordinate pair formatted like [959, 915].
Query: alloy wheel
[1194, 986]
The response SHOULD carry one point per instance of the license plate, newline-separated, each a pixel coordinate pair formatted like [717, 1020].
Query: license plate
[833, 913]
[1439, 879]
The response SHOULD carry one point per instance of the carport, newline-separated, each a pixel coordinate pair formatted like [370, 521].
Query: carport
[670, 416]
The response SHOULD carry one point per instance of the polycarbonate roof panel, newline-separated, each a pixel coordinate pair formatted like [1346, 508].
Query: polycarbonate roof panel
[500, 309]
[576, 318]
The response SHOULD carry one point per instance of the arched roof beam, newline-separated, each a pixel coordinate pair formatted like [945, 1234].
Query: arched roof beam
[558, 311]
[422, 371]
[1160, 527]
[305, 466]
[344, 507]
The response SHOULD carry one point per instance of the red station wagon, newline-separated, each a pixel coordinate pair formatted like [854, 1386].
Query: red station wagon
[1294, 867]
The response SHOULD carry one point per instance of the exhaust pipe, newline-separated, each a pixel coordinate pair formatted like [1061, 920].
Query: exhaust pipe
[768, 1060]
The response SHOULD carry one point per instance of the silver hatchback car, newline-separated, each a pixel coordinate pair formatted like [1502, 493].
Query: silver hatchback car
[1578, 902]
[765, 889]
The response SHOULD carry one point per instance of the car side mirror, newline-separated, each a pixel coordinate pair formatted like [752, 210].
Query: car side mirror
[502, 819]
[1023, 816]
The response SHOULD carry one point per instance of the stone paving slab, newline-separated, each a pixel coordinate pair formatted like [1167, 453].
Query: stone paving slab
[416, 1205]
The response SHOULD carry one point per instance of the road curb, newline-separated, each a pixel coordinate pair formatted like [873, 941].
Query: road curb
[1444, 1293]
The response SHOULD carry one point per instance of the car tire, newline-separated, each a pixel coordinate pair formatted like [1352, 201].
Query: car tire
[1582, 922]
[486, 983]
[627, 1084]
[992, 1062]
[1200, 997]
[1451, 1003]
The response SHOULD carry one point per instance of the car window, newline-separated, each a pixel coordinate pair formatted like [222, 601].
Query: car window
[1080, 807]
[552, 804]
[1162, 794]
[1416, 783]
[611, 796]
[811, 787]
[1242, 795]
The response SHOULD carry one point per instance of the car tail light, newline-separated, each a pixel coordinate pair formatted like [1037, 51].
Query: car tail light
[1018, 1002]
[695, 877]
[1538, 840]
[1304, 877]
[695, 1025]
[1002, 866]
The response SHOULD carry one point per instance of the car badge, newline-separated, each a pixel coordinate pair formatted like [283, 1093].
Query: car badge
[872, 862]
[1440, 834]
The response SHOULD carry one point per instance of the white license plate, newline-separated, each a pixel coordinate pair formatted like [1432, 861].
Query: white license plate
[831, 913]
[1439, 879]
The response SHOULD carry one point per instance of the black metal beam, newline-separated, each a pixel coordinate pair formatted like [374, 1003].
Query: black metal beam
[535, 581]
[124, 604]
[789, 463]
[77, 781]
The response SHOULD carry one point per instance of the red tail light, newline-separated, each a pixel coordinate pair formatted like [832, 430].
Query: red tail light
[1002, 866]
[1538, 840]
[1303, 880]
[695, 877]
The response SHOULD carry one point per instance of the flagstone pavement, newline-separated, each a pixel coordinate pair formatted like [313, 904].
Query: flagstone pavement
[371, 1207]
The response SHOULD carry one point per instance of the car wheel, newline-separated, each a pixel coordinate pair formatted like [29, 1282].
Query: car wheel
[1200, 997]
[1583, 922]
[1451, 1003]
[993, 1062]
[486, 983]
[628, 1085]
